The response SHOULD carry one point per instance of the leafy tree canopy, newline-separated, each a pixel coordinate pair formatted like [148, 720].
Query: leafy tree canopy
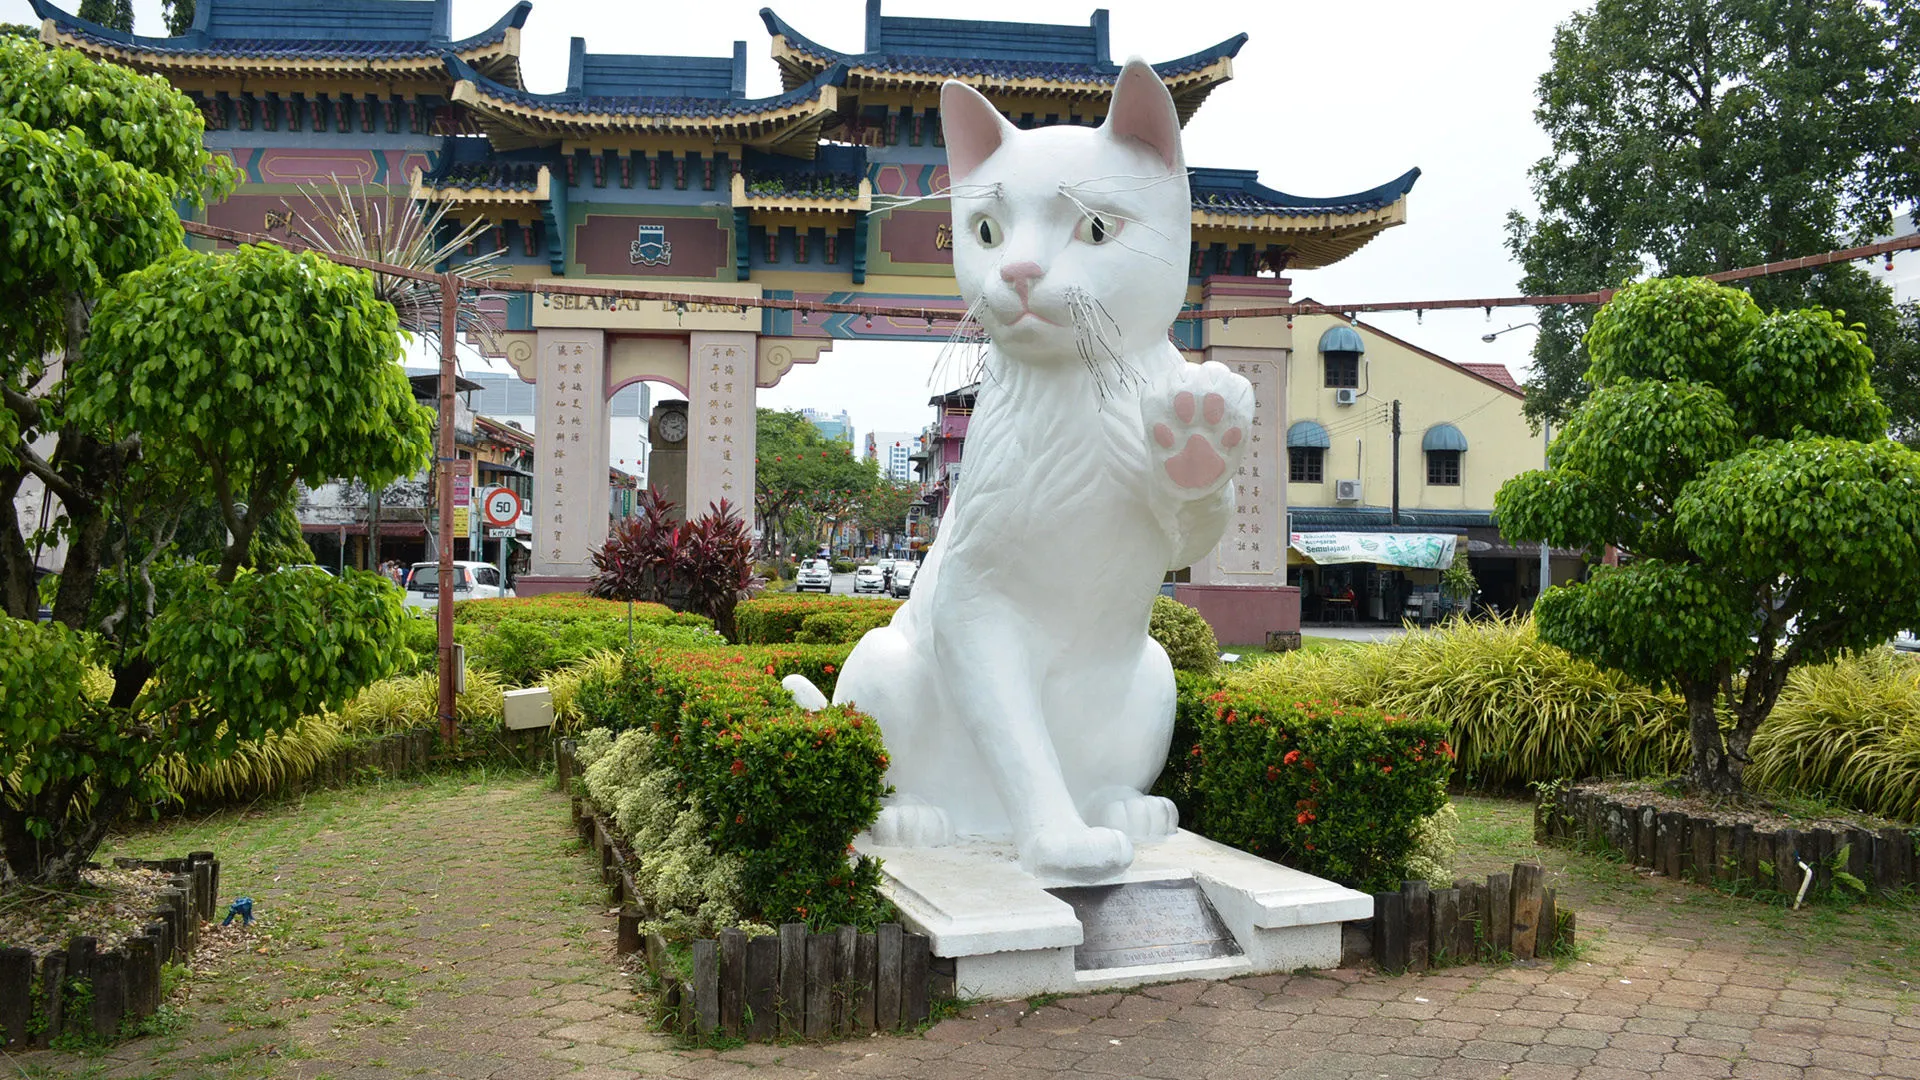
[1694, 136]
[1740, 463]
[113, 14]
[802, 475]
[140, 382]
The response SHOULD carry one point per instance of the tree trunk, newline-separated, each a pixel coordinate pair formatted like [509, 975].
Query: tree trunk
[1709, 772]
[19, 589]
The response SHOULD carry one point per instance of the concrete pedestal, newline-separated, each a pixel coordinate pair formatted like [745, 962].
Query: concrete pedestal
[542, 584]
[1009, 938]
[1243, 614]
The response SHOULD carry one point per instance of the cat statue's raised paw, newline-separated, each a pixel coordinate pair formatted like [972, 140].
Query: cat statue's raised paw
[1017, 690]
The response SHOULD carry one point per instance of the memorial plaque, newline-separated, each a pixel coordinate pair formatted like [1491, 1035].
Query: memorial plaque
[1145, 922]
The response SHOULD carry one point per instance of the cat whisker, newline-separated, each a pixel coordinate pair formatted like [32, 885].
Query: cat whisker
[1091, 214]
[889, 203]
[1149, 181]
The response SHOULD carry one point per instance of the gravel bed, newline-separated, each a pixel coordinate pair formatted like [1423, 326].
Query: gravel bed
[110, 905]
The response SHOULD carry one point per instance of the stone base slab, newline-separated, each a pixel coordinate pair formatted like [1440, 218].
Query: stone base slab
[1243, 614]
[542, 584]
[1008, 937]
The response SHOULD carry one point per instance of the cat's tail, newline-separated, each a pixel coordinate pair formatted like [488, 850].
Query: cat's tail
[805, 694]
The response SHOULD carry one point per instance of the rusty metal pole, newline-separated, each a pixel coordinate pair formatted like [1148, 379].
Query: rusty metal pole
[443, 491]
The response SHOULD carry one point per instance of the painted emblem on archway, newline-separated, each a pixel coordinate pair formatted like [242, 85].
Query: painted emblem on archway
[651, 248]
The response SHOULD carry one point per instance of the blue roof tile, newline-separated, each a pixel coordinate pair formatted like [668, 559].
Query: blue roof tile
[638, 101]
[956, 47]
[302, 30]
[1239, 192]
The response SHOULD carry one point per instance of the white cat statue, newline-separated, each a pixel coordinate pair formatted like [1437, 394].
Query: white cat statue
[1018, 691]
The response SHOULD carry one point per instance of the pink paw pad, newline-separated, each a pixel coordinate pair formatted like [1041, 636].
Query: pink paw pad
[1214, 408]
[1197, 465]
[1163, 435]
[1183, 407]
[1231, 439]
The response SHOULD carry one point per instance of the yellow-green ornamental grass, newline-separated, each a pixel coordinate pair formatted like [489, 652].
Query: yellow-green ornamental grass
[1523, 711]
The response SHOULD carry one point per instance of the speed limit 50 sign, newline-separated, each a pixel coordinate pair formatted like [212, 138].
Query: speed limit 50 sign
[502, 507]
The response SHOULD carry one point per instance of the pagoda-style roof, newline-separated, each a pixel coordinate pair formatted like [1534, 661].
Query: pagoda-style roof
[615, 95]
[1231, 206]
[996, 58]
[403, 40]
[470, 172]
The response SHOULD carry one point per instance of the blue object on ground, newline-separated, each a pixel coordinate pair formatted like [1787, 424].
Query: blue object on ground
[242, 907]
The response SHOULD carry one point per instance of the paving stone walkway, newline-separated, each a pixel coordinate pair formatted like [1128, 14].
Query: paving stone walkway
[456, 930]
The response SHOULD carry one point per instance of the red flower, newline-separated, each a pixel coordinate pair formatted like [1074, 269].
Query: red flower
[1196, 750]
[1292, 756]
[739, 767]
[828, 668]
[769, 669]
[739, 819]
[1273, 773]
[1304, 817]
[1227, 717]
[1387, 771]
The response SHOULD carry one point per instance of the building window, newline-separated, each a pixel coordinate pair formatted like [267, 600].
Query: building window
[1443, 467]
[1343, 369]
[1305, 464]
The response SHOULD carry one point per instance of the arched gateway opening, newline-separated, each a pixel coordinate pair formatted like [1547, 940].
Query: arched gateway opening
[661, 170]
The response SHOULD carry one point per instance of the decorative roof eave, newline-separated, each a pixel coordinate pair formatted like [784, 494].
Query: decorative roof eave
[798, 204]
[494, 52]
[791, 128]
[1386, 217]
[477, 196]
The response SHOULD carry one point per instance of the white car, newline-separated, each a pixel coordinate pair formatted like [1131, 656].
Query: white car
[472, 581]
[814, 575]
[871, 579]
[903, 573]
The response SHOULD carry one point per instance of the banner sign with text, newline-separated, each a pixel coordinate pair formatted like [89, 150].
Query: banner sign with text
[1425, 551]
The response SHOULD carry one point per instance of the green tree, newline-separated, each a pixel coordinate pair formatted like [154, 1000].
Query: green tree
[164, 379]
[1740, 463]
[178, 14]
[802, 478]
[115, 14]
[883, 508]
[1694, 136]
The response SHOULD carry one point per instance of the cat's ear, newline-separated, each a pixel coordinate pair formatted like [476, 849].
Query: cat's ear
[973, 128]
[1142, 109]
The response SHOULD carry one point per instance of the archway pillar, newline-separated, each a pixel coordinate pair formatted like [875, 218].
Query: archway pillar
[1241, 586]
[722, 421]
[570, 485]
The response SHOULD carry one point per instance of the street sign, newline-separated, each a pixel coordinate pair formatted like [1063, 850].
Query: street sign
[502, 507]
[460, 526]
[500, 534]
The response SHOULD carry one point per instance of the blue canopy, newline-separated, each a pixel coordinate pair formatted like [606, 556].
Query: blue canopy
[1443, 437]
[1308, 433]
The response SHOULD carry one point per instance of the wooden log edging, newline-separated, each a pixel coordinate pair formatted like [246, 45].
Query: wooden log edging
[86, 994]
[785, 985]
[1733, 855]
[1510, 916]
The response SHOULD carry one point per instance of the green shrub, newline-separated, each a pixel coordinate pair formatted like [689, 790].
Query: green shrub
[1518, 709]
[781, 789]
[776, 620]
[842, 627]
[842, 566]
[1847, 732]
[1180, 780]
[1435, 843]
[565, 684]
[1339, 791]
[1186, 636]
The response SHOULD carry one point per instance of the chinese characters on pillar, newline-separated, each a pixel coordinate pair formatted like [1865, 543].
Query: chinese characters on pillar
[721, 402]
[570, 454]
[1255, 544]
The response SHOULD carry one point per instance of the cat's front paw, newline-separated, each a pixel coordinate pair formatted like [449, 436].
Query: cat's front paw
[1197, 422]
[909, 822]
[1144, 818]
[1076, 853]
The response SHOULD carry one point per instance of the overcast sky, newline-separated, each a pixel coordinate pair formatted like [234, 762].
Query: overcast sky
[1326, 99]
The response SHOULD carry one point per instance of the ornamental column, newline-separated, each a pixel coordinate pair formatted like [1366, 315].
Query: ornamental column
[570, 496]
[722, 369]
[1241, 586]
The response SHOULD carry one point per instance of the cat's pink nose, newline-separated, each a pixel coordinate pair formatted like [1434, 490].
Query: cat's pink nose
[1021, 272]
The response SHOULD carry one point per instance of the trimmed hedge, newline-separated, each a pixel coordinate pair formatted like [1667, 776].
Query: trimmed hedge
[1185, 634]
[841, 627]
[1338, 791]
[783, 789]
[777, 620]
[523, 640]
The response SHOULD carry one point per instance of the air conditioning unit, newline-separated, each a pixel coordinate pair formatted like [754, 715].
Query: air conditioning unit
[1346, 396]
[1346, 490]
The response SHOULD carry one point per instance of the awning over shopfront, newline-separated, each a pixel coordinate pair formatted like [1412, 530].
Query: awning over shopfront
[1425, 551]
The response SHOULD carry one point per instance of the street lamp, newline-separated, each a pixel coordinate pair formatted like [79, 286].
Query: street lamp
[1515, 326]
[1546, 437]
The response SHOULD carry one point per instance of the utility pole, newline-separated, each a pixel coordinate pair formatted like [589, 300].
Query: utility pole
[443, 487]
[1394, 517]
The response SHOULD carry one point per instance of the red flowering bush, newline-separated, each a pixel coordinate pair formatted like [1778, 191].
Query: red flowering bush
[784, 789]
[1331, 789]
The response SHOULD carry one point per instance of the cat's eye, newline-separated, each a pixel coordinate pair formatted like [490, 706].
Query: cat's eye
[1096, 229]
[987, 231]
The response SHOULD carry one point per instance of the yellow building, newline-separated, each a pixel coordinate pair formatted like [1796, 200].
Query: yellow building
[1353, 482]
